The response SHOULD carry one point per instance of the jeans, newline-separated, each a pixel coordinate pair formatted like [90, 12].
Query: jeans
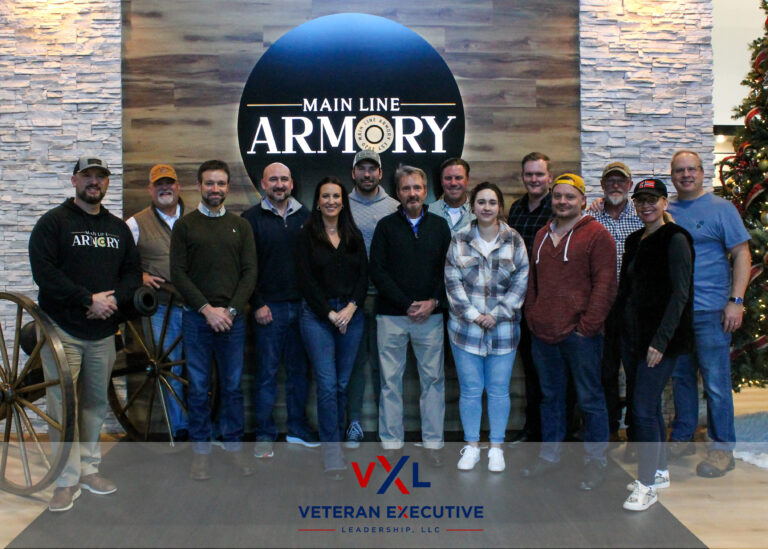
[176, 416]
[367, 361]
[712, 358]
[426, 337]
[532, 387]
[610, 370]
[90, 362]
[583, 357]
[280, 338]
[647, 417]
[202, 344]
[492, 373]
[332, 355]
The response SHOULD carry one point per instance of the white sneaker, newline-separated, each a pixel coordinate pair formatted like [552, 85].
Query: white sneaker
[641, 498]
[496, 460]
[470, 455]
[660, 480]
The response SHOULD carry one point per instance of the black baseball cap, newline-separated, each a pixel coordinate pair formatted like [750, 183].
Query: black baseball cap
[652, 186]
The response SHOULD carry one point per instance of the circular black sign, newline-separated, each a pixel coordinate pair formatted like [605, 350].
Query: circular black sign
[344, 82]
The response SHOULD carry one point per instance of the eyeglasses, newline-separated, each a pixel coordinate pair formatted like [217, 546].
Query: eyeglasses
[649, 199]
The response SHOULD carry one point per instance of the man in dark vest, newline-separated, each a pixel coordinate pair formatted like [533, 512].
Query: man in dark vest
[151, 230]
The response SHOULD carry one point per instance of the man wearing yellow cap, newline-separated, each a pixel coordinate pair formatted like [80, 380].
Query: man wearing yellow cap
[573, 272]
[151, 229]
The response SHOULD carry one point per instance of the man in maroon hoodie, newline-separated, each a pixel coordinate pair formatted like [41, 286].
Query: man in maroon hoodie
[571, 288]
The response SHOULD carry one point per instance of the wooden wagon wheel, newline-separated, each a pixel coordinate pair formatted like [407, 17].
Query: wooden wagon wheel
[35, 439]
[142, 383]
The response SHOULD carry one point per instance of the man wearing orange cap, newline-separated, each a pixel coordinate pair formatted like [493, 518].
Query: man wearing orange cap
[151, 229]
[573, 272]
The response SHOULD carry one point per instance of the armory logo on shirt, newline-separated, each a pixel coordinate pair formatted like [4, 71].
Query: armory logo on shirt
[95, 239]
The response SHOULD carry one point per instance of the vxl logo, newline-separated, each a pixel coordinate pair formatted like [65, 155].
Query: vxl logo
[392, 476]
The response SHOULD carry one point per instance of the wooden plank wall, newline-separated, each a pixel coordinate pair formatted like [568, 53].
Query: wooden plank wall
[185, 63]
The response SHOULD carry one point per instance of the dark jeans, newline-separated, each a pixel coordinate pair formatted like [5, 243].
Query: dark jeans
[366, 364]
[647, 417]
[280, 338]
[532, 387]
[610, 372]
[201, 345]
[712, 358]
[583, 357]
[332, 355]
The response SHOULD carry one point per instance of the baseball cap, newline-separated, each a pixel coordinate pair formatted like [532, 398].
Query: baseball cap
[650, 186]
[620, 167]
[367, 154]
[85, 162]
[159, 171]
[571, 179]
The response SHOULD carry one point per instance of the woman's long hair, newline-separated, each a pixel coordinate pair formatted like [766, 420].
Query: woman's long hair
[348, 232]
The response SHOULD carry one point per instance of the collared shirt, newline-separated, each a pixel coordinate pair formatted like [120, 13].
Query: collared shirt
[528, 223]
[169, 220]
[413, 222]
[293, 205]
[493, 284]
[442, 209]
[203, 209]
[620, 228]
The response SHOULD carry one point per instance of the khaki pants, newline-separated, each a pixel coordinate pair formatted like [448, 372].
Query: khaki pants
[90, 364]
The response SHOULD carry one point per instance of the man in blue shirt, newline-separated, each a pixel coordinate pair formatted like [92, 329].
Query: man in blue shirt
[717, 231]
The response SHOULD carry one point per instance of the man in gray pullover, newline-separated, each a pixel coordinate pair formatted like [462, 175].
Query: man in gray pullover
[369, 203]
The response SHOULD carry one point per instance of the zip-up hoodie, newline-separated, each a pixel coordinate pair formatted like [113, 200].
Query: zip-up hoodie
[74, 255]
[571, 286]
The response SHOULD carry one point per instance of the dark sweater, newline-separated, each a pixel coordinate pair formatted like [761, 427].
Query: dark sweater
[656, 292]
[276, 249]
[406, 267]
[74, 255]
[213, 260]
[325, 272]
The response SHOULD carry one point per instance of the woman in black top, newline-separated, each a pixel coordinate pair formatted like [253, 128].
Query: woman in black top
[332, 269]
[656, 301]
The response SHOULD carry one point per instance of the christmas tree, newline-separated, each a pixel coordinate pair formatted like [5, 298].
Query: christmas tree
[744, 178]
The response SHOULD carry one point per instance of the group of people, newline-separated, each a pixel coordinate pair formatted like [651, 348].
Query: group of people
[344, 287]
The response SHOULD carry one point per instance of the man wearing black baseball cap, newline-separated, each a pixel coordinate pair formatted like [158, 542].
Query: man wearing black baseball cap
[85, 262]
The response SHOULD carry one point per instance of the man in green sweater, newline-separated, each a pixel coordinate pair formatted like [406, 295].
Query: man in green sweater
[213, 266]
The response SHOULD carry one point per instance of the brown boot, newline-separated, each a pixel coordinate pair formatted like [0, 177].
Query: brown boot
[201, 467]
[716, 464]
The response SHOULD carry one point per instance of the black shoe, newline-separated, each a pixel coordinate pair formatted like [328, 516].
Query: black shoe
[594, 475]
[520, 437]
[716, 464]
[434, 457]
[335, 475]
[630, 453]
[540, 468]
[182, 435]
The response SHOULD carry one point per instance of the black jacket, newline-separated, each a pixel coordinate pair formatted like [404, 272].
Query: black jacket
[74, 255]
[407, 267]
[656, 291]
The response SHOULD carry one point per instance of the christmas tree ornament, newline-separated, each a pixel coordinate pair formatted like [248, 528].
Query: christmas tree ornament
[764, 218]
[754, 119]
[763, 165]
[760, 61]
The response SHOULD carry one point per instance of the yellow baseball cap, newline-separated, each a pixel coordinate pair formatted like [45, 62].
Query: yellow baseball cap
[573, 180]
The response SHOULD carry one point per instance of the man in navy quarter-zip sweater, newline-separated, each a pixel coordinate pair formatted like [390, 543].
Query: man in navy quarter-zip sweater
[85, 263]
[407, 265]
[276, 302]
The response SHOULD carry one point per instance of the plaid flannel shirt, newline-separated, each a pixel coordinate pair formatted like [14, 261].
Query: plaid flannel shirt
[620, 228]
[494, 285]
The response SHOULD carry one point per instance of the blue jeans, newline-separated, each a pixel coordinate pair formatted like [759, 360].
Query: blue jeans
[583, 356]
[201, 344]
[176, 416]
[280, 338]
[476, 373]
[332, 355]
[712, 358]
[647, 417]
[367, 361]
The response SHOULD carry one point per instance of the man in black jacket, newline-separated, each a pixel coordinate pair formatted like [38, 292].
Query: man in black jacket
[85, 263]
[407, 264]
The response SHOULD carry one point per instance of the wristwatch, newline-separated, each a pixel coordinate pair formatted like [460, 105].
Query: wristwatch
[232, 312]
[736, 300]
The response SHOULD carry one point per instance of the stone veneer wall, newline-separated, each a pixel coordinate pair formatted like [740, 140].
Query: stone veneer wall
[60, 97]
[646, 84]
